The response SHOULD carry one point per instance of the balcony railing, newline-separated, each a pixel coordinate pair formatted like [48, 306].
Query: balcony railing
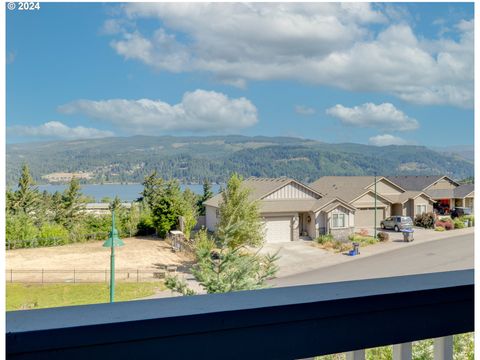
[279, 323]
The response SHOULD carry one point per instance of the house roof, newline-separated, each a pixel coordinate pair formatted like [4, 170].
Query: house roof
[262, 187]
[347, 188]
[417, 182]
[407, 195]
[441, 193]
[463, 190]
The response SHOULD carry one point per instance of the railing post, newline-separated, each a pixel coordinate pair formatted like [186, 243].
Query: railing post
[443, 348]
[402, 351]
[356, 355]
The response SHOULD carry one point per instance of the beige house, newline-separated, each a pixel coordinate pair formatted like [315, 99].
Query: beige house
[292, 210]
[359, 192]
[446, 192]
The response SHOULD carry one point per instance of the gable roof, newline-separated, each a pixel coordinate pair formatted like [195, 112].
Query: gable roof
[407, 195]
[348, 188]
[417, 182]
[463, 190]
[262, 187]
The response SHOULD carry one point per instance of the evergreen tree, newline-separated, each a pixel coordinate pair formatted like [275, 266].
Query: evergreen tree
[115, 204]
[132, 219]
[167, 207]
[240, 222]
[26, 196]
[189, 211]
[207, 194]
[72, 203]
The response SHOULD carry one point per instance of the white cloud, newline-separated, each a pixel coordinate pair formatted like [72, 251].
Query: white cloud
[383, 116]
[320, 43]
[199, 110]
[56, 129]
[304, 110]
[387, 139]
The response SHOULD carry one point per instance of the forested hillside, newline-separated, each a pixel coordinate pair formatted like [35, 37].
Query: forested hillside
[192, 159]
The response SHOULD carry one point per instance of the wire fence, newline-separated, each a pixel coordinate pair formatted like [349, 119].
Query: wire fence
[53, 241]
[75, 276]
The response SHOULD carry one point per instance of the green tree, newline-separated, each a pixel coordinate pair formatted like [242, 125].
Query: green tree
[224, 263]
[115, 204]
[106, 199]
[189, 211]
[167, 208]
[26, 197]
[132, 219]
[72, 203]
[240, 222]
[20, 227]
[207, 194]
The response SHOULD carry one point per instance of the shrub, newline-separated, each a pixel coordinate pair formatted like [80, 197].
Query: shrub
[458, 223]
[447, 224]
[471, 218]
[382, 236]
[439, 228]
[363, 232]
[322, 239]
[145, 225]
[425, 220]
[52, 234]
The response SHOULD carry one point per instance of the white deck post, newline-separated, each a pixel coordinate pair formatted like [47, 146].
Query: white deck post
[402, 351]
[356, 355]
[443, 348]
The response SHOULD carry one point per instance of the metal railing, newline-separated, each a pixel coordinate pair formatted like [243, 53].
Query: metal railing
[43, 276]
[280, 323]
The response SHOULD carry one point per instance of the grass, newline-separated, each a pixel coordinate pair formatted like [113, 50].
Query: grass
[35, 296]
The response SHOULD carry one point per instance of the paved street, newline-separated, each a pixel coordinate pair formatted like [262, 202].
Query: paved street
[452, 253]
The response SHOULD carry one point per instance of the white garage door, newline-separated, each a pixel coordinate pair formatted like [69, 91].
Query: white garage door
[365, 217]
[278, 229]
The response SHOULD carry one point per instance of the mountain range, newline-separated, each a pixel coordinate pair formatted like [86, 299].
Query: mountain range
[194, 158]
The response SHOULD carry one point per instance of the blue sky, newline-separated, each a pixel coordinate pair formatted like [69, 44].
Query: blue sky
[366, 73]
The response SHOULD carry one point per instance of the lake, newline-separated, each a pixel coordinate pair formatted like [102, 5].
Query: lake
[126, 192]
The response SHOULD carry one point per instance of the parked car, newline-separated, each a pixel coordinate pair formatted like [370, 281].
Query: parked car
[460, 211]
[397, 223]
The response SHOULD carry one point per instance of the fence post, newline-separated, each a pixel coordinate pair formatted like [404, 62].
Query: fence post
[11, 275]
[105, 275]
[42, 276]
[74, 276]
[137, 275]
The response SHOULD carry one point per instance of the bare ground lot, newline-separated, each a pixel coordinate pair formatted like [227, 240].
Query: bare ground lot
[144, 254]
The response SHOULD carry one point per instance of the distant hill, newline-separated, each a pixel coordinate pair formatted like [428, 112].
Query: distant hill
[191, 159]
[466, 152]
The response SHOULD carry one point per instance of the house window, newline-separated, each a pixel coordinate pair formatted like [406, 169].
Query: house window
[421, 209]
[338, 220]
[217, 213]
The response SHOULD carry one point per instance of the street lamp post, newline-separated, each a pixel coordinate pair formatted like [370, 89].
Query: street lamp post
[112, 242]
[375, 215]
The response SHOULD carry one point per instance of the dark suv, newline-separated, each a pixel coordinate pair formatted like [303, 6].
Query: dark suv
[460, 211]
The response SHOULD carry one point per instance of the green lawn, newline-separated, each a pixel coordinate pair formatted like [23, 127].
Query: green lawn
[35, 296]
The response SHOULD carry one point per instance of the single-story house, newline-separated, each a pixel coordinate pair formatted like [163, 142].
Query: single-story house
[292, 210]
[446, 192]
[359, 192]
